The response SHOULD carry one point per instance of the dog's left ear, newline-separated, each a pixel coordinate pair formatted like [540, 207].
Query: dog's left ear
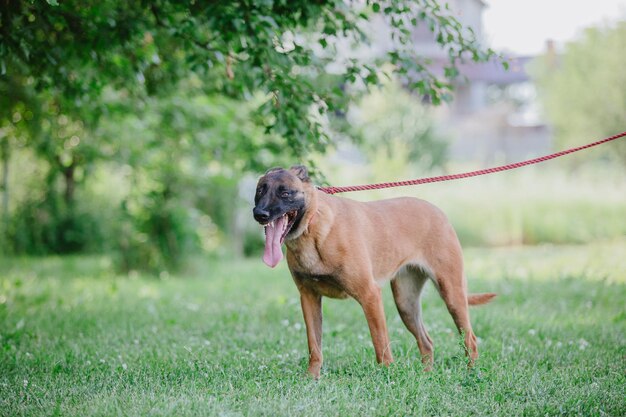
[301, 172]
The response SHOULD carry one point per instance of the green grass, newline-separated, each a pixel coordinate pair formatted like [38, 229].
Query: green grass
[228, 339]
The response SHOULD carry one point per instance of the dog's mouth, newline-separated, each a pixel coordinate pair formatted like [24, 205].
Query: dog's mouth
[275, 233]
[282, 224]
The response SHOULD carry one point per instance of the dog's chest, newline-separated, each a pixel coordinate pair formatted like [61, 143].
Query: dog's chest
[326, 285]
[309, 269]
[304, 256]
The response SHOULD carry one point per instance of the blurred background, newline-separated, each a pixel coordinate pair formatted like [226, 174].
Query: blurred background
[134, 133]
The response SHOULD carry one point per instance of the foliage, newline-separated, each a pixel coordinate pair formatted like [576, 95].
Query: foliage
[584, 89]
[41, 226]
[392, 124]
[78, 48]
[187, 94]
[183, 155]
[77, 339]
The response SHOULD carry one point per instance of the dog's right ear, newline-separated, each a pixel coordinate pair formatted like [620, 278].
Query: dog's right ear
[275, 169]
[301, 172]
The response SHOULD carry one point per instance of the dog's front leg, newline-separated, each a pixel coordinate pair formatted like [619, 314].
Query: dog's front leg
[312, 310]
[371, 301]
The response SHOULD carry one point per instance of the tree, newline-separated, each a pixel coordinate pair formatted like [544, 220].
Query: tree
[57, 132]
[16, 100]
[183, 155]
[240, 47]
[158, 69]
[394, 126]
[583, 90]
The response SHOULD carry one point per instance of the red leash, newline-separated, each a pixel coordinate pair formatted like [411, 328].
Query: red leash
[349, 188]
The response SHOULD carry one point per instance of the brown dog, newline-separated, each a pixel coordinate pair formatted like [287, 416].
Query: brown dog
[338, 247]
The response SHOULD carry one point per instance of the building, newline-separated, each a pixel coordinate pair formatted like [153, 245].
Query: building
[494, 116]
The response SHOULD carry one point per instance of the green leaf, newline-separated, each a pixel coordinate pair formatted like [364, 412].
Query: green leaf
[451, 72]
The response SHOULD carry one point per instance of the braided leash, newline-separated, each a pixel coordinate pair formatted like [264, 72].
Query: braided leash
[349, 188]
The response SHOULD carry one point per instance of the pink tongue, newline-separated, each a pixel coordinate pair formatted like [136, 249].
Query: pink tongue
[273, 232]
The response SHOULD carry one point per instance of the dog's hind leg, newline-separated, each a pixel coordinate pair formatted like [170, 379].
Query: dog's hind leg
[450, 283]
[407, 288]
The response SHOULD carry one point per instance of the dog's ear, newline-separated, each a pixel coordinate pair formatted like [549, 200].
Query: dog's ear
[301, 172]
[275, 169]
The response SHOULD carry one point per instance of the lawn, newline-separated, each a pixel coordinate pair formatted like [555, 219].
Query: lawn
[227, 338]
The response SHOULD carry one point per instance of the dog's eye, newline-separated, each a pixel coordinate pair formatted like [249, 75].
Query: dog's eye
[285, 194]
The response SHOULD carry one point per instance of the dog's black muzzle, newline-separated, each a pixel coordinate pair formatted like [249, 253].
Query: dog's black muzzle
[261, 215]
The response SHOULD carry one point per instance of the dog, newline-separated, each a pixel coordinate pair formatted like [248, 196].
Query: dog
[340, 248]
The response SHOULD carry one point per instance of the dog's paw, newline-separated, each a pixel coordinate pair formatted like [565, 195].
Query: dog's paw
[314, 371]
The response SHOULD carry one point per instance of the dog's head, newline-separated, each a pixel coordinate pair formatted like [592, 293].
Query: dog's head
[279, 204]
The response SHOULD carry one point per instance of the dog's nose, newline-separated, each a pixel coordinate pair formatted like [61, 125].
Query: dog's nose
[260, 215]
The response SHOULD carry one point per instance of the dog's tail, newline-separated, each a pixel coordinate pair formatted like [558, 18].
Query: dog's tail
[478, 299]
